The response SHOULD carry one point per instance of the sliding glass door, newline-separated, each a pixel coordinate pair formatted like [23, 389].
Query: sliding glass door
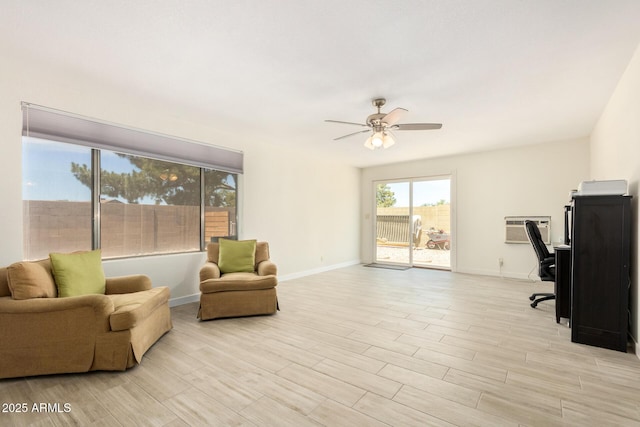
[413, 222]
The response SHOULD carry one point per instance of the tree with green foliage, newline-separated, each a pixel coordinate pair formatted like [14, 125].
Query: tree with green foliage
[165, 182]
[438, 203]
[385, 198]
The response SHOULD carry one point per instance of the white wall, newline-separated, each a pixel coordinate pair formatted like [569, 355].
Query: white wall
[529, 180]
[615, 154]
[309, 208]
[306, 207]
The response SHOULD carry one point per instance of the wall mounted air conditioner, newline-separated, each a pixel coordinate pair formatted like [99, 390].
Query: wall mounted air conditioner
[515, 232]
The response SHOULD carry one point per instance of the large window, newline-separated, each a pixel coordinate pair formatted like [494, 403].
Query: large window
[56, 206]
[147, 206]
[79, 197]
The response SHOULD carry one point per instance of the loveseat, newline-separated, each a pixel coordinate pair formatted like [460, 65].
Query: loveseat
[42, 333]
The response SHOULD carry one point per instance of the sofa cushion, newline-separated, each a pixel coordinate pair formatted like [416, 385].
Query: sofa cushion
[237, 256]
[238, 282]
[132, 309]
[78, 273]
[30, 280]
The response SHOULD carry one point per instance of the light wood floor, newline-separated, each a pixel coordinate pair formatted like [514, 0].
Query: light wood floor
[359, 346]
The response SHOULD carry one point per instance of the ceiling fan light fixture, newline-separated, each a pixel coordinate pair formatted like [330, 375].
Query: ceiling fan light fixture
[368, 143]
[387, 140]
[377, 140]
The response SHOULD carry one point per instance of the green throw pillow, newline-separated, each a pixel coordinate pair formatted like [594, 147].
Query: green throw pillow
[237, 256]
[78, 273]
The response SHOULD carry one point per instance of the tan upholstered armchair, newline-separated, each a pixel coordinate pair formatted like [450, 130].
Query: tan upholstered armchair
[237, 293]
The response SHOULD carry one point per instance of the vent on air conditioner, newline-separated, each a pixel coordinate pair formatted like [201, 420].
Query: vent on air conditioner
[515, 232]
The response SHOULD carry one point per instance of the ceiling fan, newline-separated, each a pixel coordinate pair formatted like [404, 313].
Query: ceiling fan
[380, 125]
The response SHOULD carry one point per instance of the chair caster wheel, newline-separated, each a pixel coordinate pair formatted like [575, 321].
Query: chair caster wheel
[531, 298]
[534, 305]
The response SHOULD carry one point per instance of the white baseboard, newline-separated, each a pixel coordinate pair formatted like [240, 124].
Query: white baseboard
[174, 302]
[496, 273]
[317, 270]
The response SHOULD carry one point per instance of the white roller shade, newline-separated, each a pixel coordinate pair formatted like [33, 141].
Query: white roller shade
[46, 123]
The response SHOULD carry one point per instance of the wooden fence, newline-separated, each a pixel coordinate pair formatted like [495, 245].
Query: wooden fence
[393, 228]
[392, 224]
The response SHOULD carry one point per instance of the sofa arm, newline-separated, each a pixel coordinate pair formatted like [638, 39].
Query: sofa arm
[100, 303]
[36, 311]
[209, 271]
[51, 335]
[266, 268]
[127, 284]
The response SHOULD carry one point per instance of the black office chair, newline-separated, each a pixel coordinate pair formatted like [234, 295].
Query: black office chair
[546, 262]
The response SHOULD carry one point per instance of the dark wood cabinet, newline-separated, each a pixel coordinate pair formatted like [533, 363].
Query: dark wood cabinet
[601, 227]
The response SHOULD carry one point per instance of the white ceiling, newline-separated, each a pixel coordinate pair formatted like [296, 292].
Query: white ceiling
[496, 73]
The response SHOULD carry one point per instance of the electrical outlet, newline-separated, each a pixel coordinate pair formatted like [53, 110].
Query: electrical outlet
[500, 262]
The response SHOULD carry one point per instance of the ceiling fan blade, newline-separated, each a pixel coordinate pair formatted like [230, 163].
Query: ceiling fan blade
[393, 117]
[346, 123]
[417, 126]
[351, 134]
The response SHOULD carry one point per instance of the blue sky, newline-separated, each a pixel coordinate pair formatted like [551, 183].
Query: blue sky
[46, 171]
[424, 192]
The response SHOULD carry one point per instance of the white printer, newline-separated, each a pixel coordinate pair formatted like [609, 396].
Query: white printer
[598, 188]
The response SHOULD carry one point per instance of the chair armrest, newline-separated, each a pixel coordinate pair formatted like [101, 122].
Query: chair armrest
[266, 268]
[547, 262]
[209, 271]
[127, 284]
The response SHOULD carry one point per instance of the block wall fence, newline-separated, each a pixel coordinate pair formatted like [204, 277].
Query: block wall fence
[131, 229]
